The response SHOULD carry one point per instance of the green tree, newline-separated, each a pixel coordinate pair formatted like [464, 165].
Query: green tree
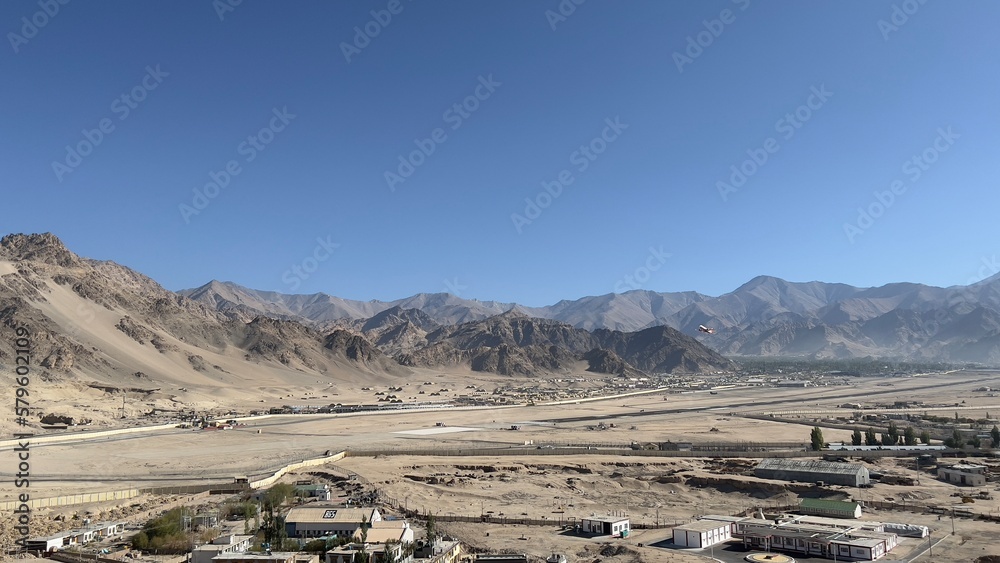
[816, 437]
[870, 438]
[270, 527]
[891, 436]
[140, 541]
[909, 436]
[995, 436]
[976, 442]
[279, 493]
[363, 556]
[315, 545]
[165, 533]
[856, 437]
[431, 529]
[955, 441]
[925, 437]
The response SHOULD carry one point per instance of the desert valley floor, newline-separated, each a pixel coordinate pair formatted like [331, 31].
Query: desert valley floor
[525, 472]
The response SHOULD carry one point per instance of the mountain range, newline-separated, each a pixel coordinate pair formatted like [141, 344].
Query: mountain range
[102, 322]
[766, 316]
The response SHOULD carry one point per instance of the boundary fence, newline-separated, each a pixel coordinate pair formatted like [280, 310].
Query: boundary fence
[559, 451]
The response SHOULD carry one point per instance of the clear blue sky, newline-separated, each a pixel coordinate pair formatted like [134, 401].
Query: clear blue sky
[216, 81]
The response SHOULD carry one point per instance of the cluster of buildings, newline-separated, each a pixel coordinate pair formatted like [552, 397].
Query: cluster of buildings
[367, 531]
[824, 528]
[76, 536]
[831, 538]
[857, 475]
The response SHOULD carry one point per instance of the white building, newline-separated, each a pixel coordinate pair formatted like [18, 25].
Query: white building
[605, 525]
[964, 474]
[52, 542]
[269, 557]
[822, 541]
[220, 545]
[387, 530]
[321, 491]
[77, 536]
[702, 533]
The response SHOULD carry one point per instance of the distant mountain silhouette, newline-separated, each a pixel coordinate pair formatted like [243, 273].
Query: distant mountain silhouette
[766, 316]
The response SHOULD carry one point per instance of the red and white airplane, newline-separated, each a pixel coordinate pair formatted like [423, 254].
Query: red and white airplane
[703, 328]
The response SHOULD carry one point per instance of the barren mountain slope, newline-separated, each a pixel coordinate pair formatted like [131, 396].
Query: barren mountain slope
[100, 323]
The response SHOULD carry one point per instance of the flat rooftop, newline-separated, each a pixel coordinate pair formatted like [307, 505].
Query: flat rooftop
[609, 519]
[703, 525]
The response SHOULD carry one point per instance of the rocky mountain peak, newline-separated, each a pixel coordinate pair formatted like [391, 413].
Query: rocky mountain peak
[395, 316]
[44, 247]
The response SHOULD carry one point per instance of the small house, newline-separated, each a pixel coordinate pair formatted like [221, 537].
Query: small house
[605, 526]
[702, 533]
[964, 474]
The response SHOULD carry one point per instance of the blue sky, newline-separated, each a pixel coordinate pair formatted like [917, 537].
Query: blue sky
[310, 114]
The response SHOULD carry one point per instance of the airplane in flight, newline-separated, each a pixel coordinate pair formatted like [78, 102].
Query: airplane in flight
[703, 328]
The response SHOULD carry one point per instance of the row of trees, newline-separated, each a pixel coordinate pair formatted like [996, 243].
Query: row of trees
[956, 441]
[893, 437]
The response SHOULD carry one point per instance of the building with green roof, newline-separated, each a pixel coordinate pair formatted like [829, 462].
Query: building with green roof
[830, 508]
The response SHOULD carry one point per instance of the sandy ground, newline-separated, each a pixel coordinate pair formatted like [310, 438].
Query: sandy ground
[552, 485]
[185, 455]
[564, 487]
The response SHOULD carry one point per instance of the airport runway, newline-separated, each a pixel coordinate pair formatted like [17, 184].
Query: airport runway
[186, 455]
